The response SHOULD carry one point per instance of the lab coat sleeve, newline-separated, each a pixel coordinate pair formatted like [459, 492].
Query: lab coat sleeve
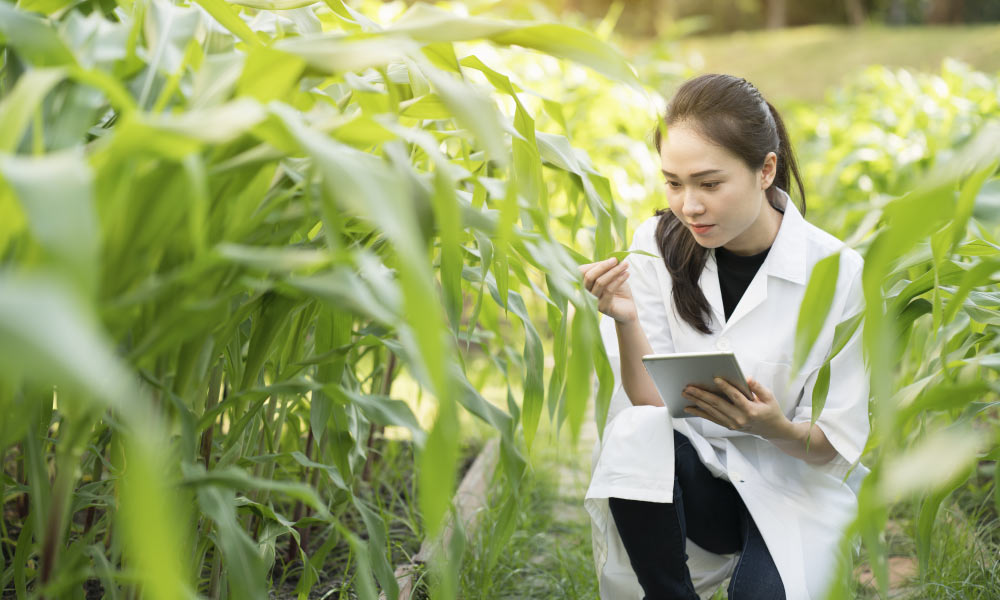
[648, 297]
[844, 418]
[647, 292]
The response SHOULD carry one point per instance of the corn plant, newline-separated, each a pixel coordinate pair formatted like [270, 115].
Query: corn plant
[905, 166]
[226, 230]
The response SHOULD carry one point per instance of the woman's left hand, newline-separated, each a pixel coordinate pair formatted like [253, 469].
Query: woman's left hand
[760, 415]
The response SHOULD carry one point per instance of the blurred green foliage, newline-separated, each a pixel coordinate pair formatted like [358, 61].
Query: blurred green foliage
[229, 229]
[876, 134]
[652, 18]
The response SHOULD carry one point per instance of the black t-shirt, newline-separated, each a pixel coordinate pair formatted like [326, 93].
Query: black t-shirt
[735, 274]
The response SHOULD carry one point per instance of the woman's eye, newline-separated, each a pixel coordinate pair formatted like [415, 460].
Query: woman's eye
[711, 184]
[673, 184]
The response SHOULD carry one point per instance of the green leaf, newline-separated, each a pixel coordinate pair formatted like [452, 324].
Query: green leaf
[580, 370]
[333, 331]
[274, 4]
[56, 193]
[605, 384]
[574, 44]
[46, 7]
[344, 289]
[228, 18]
[621, 254]
[245, 568]
[233, 478]
[926, 516]
[273, 315]
[843, 331]
[820, 391]
[334, 472]
[996, 486]
[47, 332]
[215, 125]
[17, 109]
[279, 259]
[364, 584]
[937, 461]
[449, 226]
[378, 549]
[333, 53]
[149, 518]
[534, 359]
[436, 472]
[473, 110]
[33, 37]
[384, 411]
[427, 23]
[428, 106]
[815, 307]
[980, 274]
[269, 74]
[872, 532]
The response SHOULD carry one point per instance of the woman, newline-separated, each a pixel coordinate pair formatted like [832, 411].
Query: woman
[745, 488]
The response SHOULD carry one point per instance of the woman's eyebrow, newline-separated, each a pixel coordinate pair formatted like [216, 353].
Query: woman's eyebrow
[694, 175]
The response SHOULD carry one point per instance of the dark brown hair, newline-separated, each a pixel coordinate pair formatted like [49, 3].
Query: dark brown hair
[730, 112]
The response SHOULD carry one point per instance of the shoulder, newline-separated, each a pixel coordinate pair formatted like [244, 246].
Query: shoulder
[849, 287]
[822, 244]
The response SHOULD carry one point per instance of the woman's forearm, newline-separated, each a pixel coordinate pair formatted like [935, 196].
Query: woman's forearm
[632, 346]
[805, 441]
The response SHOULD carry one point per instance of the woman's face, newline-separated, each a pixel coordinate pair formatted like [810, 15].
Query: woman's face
[707, 185]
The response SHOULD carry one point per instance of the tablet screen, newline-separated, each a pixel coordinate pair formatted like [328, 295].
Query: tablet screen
[672, 372]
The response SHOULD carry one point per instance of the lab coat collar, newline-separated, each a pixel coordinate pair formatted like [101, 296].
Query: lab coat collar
[786, 260]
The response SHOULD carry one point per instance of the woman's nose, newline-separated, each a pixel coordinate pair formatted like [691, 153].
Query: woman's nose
[692, 207]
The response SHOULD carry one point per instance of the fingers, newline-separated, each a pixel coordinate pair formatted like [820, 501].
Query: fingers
[612, 275]
[602, 274]
[693, 410]
[732, 392]
[706, 412]
[760, 392]
[723, 412]
[616, 283]
[606, 301]
[601, 266]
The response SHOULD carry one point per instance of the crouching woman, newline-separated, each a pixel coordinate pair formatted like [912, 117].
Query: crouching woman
[745, 488]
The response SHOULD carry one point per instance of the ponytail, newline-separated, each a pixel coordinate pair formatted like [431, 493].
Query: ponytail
[787, 166]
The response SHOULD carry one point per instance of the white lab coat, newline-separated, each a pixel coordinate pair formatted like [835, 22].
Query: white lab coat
[800, 509]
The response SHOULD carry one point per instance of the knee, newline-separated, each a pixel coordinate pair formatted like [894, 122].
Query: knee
[685, 455]
[761, 586]
[626, 510]
[680, 439]
[683, 450]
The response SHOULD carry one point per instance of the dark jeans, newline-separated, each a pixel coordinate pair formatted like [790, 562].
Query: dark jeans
[710, 511]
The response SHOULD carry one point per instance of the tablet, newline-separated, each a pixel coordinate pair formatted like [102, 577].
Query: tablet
[672, 372]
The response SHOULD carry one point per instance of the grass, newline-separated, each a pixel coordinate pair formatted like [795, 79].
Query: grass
[550, 556]
[389, 493]
[965, 563]
[546, 557]
[802, 63]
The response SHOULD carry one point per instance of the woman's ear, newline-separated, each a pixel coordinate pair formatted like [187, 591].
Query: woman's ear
[769, 170]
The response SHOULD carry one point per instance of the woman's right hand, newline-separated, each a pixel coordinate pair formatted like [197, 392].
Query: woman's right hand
[606, 281]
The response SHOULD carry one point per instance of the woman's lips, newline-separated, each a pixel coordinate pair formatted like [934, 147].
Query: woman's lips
[701, 229]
